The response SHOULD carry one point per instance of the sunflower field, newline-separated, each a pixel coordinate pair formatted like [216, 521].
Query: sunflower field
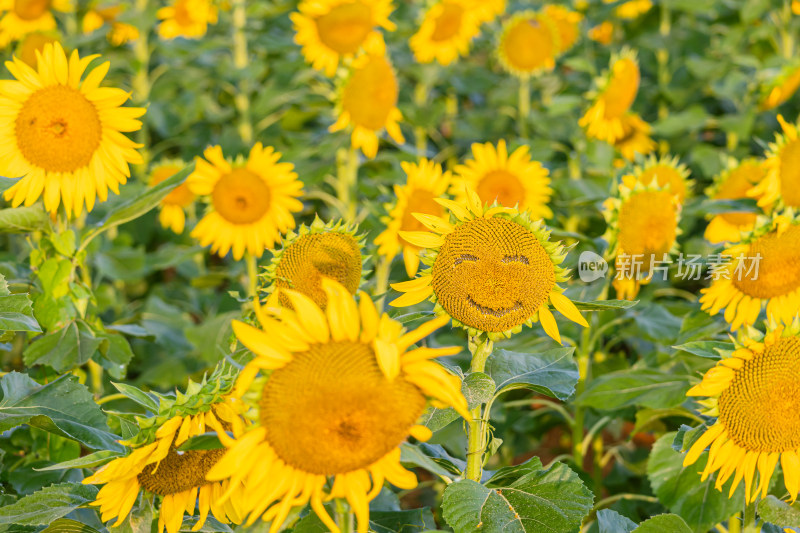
[400, 266]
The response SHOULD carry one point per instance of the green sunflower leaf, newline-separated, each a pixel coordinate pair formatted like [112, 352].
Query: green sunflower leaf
[643, 386]
[664, 523]
[779, 512]
[609, 521]
[709, 349]
[604, 305]
[44, 506]
[65, 525]
[553, 372]
[23, 219]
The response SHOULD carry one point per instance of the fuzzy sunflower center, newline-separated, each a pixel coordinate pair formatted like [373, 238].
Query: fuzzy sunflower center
[31, 9]
[740, 180]
[331, 410]
[448, 23]
[371, 94]
[419, 201]
[241, 197]
[180, 195]
[58, 129]
[306, 261]
[179, 471]
[492, 274]
[622, 88]
[528, 45]
[647, 226]
[790, 173]
[345, 27]
[502, 186]
[778, 271]
[665, 175]
[761, 407]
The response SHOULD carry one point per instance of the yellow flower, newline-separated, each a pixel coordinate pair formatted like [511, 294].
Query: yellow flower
[733, 184]
[617, 91]
[631, 9]
[603, 33]
[342, 394]
[642, 230]
[63, 136]
[32, 43]
[369, 103]
[331, 31]
[26, 16]
[251, 202]
[171, 214]
[186, 18]
[753, 392]
[635, 137]
[781, 88]
[510, 180]
[492, 270]
[781, 186]
[567, 24]
[447, 31]
[746, 284]
[486, 10]
[179, 478]
[120, 32]
[425, 181]
[668, 172]
[529, 44]
[796, 7]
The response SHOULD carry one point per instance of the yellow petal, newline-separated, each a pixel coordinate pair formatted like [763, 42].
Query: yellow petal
[423, 239]
[260, 343]
[548, 322]
[434, 223]
[567, 308]
[701, 443]
[411, 298]
[309, 315]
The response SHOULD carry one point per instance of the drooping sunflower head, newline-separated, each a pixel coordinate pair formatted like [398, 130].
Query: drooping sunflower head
[172, 209]
[62, 136]
[32, 43]
[22, 17]
[510, 180]
[781, 87]
[642, 231]
[529, 43]
[603, 33]
[316, 252]
[668, 172]
[331, 31]
[616, 92]
[447, 31]
[368, 103]
[157, 466]
[344, 391]
[567, 23]
[635, 137]
[251, 201]
[425, 181]
[733, 183]
[754, 393]
[763, 272]
[186, 18]
[781, 186]
[491, 270]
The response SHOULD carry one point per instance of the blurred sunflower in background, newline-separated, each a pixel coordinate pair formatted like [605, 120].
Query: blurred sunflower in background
[119, 32]
[616, 92]
[34, 42]
[762, 273]
[733, 183]
[668, 172]
[781, 187]
[186, 18]
[529, 44]
[331, 31]
[510, 180]
[447, 31]
[172, 210]
[635, 138]
[603, 33]
[781, 87]
[343, 393]
[21, 17]
[492, 270]
[753, 392]
[567, 23]
[62, 136]
[251, 202]
[487, 10]
[631, 9]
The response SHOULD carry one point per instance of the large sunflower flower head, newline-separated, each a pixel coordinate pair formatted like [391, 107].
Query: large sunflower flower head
[635, 137]
[344, 391]
[642, 231]
[763, 271]
[733, 183]
[156, 466]
[510, 180]
[368, 102]
[313, 253]
[186, 18]
[447, 31]
[22, 17]
[616, 92]
[331, 31]
[781, 87]
[781, 186]
[492, 270]
[567, 24]
[172, 209]
[251, 201]
[62, 136]
[425, 181]
[529, 44]
[753, 393]
[668, 173]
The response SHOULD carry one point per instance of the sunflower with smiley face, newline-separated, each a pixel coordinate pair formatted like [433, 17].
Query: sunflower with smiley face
[492, 270]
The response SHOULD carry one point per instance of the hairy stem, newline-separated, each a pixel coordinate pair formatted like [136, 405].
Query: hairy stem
[524, 106]
[242, 98]
[481, 348]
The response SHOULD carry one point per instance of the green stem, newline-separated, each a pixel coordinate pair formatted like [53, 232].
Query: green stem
[584, 369]
[252, 275]
[735, 523]
[382, 279]
[662, 56]
[96, 373]
[749, 520]
[347, 174]
[420, 134]
[110, 398]
[605, 502]
[242, 98]
[481, 348]
[344, 518]
[141, 78]
[524, 106]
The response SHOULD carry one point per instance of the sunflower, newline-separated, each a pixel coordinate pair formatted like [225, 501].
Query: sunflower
[668, 173]
[781, 186]
[635, 137]
[487, 10]
[186, 18]
[753, 392]
[567, 24]
[120, 32]
[631, 9]
[172, 213]
[528, 44]
[251, 202]
[617, 91]
[733, 184]
[26, 16]
[33, 43]
[314, 253]
[447, 31]
[642, 230]
[331, 31]
[425, 181]
[780, 89]
[493, 270]
[764, 270]
[510, 180]
[369, 103]
[343, 393]
[603, 33]
[63, 136]
[156, 466]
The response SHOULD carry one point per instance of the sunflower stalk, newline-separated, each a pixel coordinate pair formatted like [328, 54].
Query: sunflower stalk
[662, 56]
[524, 106]
[420, 134]
[344, 517]
[382, 279]
[242, 98]
[141, 79]
[584, 372]
[347, 173]
[252, 275]
[481, 348]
